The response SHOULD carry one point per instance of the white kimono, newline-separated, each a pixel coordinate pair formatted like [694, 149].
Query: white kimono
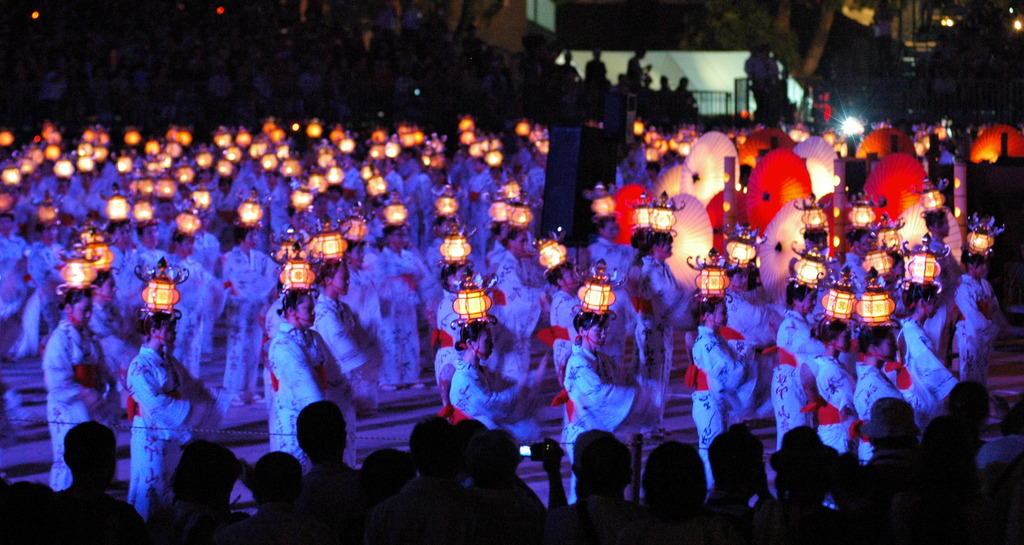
[835, 387]
[355, 356]
[483, 394]
[446, 359]
[717, 373]
[657, 301]
[40, 313]
[13, 288]
[518, 287]
[618, 257]
[788, 396]
[249, 280]
[563, 331]
[922, 379]
[301, 371]
[976, 332]
[194, 307]
[166, 408]
[107, 329]
[72, 364]
[404, 278]
[940, 327]
[872, 385]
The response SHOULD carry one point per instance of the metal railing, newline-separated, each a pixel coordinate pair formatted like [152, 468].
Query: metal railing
[713, 103]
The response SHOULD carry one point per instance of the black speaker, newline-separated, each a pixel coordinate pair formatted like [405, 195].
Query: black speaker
[578, 159]
[619, 115]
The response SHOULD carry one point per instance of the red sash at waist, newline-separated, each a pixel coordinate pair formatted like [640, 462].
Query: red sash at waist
[86, 375]
[441, 339]
[696, 379]
[549, 335]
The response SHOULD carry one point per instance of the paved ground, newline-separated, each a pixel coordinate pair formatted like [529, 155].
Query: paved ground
[245, 427]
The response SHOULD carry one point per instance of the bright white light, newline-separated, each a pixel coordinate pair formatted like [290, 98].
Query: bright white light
[1017, 25]
[853, 126]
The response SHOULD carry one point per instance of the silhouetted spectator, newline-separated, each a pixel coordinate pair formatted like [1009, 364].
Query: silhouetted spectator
[1001, 462]
[276, 483]
[330, 489]
[27, 514]
[969, 402]
[674, 488]
[87, 514]
[202, 485]
[507, 513]
[737, 464]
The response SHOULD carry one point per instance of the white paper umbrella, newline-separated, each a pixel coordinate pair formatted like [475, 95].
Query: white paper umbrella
[703, 172]
[670, 180]
[694, 237]
[776, 252]
[821, 157]
[914, 229]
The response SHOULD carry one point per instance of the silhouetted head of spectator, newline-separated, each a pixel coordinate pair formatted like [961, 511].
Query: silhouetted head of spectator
[968, 401]
[674, 482]
[737, 461]
[89, 452]
[435, 450]
[947, 459]
[803, 467]
[891, 424]
[206, 474]
[492, 457]
[26, 513]
[277, 477]
[1013, 422]
[383, 474]
[603, 468]
[321, 432]
[465, 430]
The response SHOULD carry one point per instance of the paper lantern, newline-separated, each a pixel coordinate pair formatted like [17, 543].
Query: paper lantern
[601, 201]
[395, 213]
[712, 278]
[301, 198]
[551, 253]
[6, 201]
[165, 188]
[455, 249]
[862, 213]
[314, 129]
[840, 301]
[931, 195]
[6, 138]
[922, 264]
[161, 292]
[225, 168]
[201, 198]
[663, 215]
[11, 175]
[446, 204]
[494, 158]
[376, 186]
[132, 137]
[982, 234]
[188, 223]
[472, 302]
[124, 164]
[876, 306]
[467, 124]
[77, 272]
[328, 245]
[887, 232]
[63, 168]
[354, 229]
[269, 162]
[741, 246]
[519, 214]
[347, 145]
[243, 137]
[142, 211]
[117, 208]
[46, 211]
[250, 212]
[97, 251]
[291, 167]
[297, 274]
[85, 163]
[100, 154]
[511, 190]
[814, 217]
[596, 294]
[879, 260]
[498, 211]
[810, 267]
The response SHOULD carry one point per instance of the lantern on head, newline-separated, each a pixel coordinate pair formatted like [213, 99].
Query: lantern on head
[201, 198]
[596, 294]
[813, 217]
[472, 301]
[887, 232]
[376, 186]
[97, 251]
[455, 248]
[712, 274]
[297, 274]
[663, 214]
[395, 213]
[142, 211]
[879, 260]
[301, 198]
[876, 306]
[840, 300]
[550, 252]
[354, 229]
[225, 168]
[161, 291]
[445, 203]
[931, 195]
[601, 201]
[117, 208]
[63, 168]
[77, 271]
[810, 267]
[982, 233]
[328, 244]
[922, 262]
[741, 245]
[498, 211]
[250, 212]
[46, 210]
[519, 214]
[285, 242]
[862, 213]
[165, 188]
[523, 128]
[11, 175]
[188, 222]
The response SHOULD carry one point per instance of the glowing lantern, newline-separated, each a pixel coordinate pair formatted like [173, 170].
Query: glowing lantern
[63, 168]
[519, 214]
[291, 167]
[982, 234]
[494, 158]
[165, 188]
[142, 211]
[101, 154]
[455, 249]
[931, 195]
[840, 301]
[269, 162]
[523, 128]
[314, 129]
[814, 217]
[184, 137]
[243, 138]
[124, 164]
[467, 138]
[258, 149]
[741, 246]
[334, 175]
[173, 149]
[596, 294]
[862, 213]
[642, 213]
[376, 186]
[392, 149]
[347, 145]
[11, 175]
[117, 208]
[297, 273]
[188, 223]
[638, 128]
[336, 134]
[328, 245]
[201, 198]
[662, 214]
[922, 263]
[876, 305]
[511, 190]
[467, 124]
[250, 212]
[6, 201]
[601, 201]
[161, 292]
[225, 168]
[233, 154]
[446, 204]
[85, 163]
[222, 138]
[77, 272]
[6, 137]
[355, 229]
[879, 260]
[810, 268]
[712, 278]
[46, 211]
[395, 213]
[204, 159]
[498, 211]
[888, 233]
[316, 183]
[551, 253]
[132, 137]
[152, 147]
[97, 251]
[185, 174]
[472, 302]
[301, 198]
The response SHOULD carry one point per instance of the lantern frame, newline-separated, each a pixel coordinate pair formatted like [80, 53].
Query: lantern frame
[161, 292]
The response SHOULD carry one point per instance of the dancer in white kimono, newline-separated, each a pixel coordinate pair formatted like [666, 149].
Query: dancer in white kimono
[249, 279]
[446, 357]
[301, 371]
[562, 335]
[13, 289]
[40, 314]
[922, 379]
[878, 347]
[658, 298]
[940, 327]
[165, 408]
[982, 321]
[479, 389]
[108, 327]
[829, 386]
[406, 286]
[350, 347]
[517, 303]
[195, 302]
[79, 384]
[796, 348]
[618, 258]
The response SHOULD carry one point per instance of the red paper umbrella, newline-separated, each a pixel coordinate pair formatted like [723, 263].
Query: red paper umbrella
[764, 139]
[989, 145]
[894, 179]
[778, 178]
[880, 142]
[625, 198]
[717, 216]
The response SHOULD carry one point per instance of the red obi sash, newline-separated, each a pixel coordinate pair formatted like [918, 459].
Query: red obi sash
[85, 375]
[133, 407]
[826, 412]
[453, 415]
[549, 335]
[903, 378]
[785, 356]
[696, 379]
[563, 399]
[855, 432]
[441, 339]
